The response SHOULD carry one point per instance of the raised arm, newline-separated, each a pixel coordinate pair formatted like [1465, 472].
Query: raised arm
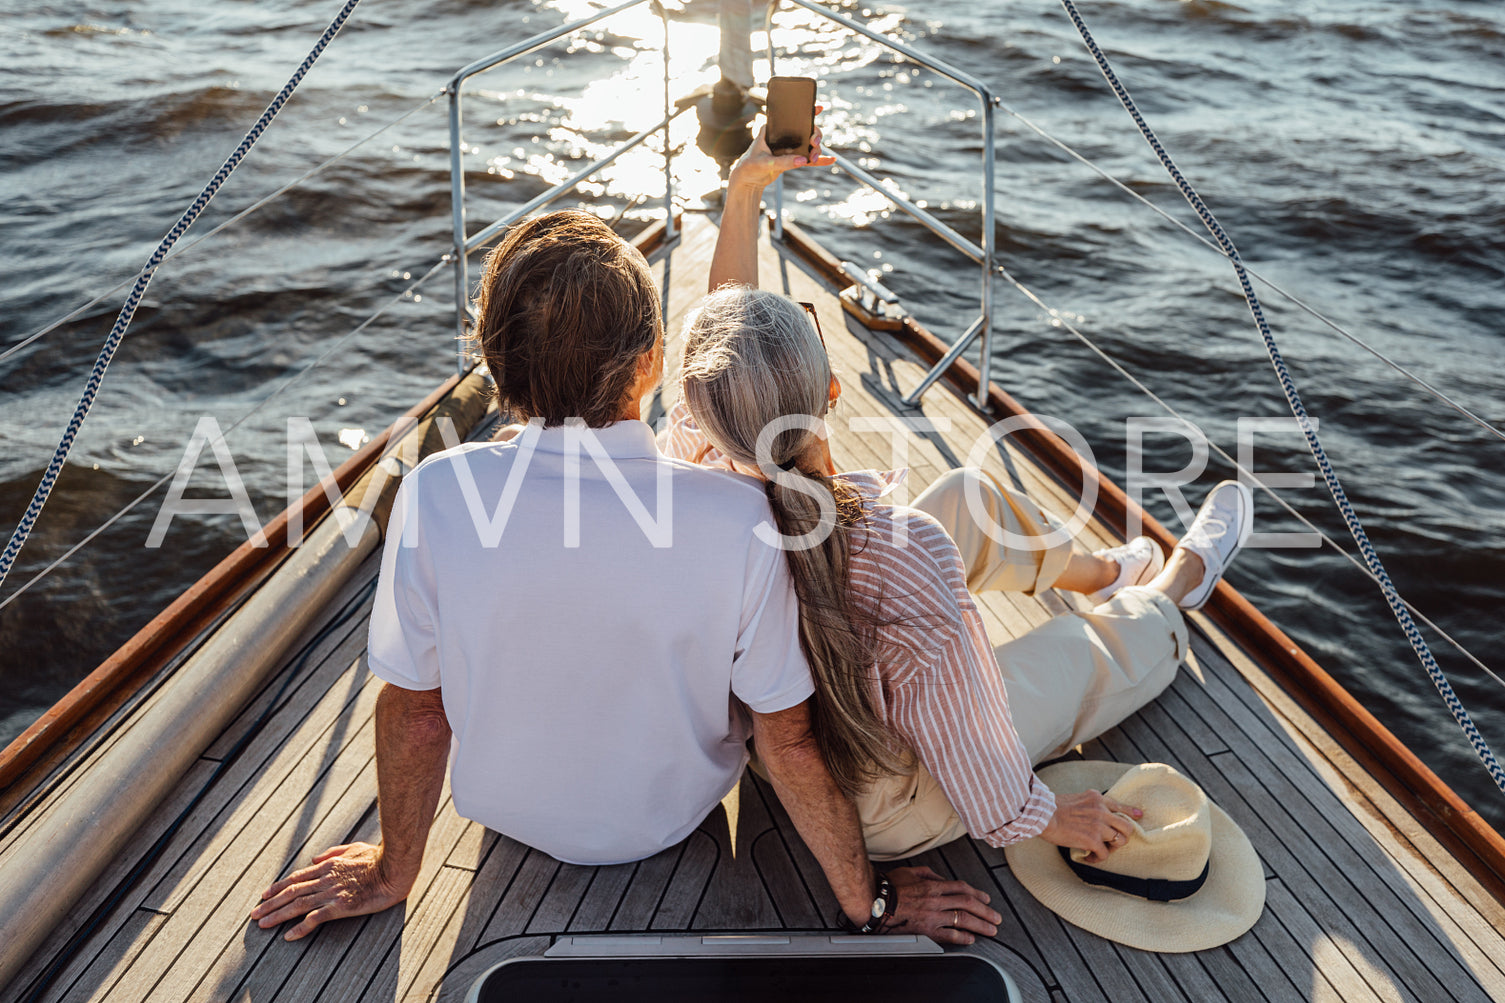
[735, 261]
[827, 822]
[412, 750]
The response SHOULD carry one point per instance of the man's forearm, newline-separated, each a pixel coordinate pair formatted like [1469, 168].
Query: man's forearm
[412, 751]
[826, 821]
[735, 260]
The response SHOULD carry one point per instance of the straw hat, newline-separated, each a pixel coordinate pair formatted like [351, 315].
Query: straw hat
[1187, 848]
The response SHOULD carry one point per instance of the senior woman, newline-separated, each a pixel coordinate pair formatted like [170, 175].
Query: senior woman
[923, 723]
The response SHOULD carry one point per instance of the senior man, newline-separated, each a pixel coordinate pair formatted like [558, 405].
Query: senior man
[583, 620]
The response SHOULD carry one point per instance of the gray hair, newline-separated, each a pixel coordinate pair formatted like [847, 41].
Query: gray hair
[752, 363]
[751, 358]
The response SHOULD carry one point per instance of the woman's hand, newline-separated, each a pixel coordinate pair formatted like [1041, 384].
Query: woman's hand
[758, 166]
[1090, 822]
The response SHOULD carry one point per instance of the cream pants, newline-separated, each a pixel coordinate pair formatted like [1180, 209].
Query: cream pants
[1068, 680]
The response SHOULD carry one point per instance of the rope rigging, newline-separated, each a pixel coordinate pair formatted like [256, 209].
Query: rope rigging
[128, 311]
[1290, 297]
[1293, 398]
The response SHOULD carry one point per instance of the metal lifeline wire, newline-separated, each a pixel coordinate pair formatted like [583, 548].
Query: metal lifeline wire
[1289, 296]
[283, 386]
[1058, 319]
[1288, 386]
[128, 311]
[318, 168]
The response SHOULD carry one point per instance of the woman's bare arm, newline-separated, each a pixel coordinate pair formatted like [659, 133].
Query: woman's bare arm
[735, 261]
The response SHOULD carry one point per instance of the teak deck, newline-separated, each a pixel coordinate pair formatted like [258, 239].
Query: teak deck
[1362, 903]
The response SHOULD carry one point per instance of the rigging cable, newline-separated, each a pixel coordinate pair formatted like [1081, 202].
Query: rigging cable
[1430, 388]
[128, 311]
[176, 251]
[1288, 386]
[143, 496]
[1059, 319]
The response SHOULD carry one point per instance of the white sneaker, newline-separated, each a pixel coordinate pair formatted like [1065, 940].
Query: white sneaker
[1222, 526]
[1139, 560]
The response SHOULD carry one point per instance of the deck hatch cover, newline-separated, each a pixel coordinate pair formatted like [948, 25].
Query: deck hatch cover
[951, 978]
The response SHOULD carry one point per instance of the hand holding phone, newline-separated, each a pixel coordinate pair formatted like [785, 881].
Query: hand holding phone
[791, 115]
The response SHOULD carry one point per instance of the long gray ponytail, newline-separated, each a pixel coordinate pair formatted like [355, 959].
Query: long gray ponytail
[753, 368]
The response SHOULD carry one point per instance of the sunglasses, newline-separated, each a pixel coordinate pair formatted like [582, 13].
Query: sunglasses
[810, 309]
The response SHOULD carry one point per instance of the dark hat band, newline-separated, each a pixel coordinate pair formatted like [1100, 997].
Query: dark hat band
[1154, 889]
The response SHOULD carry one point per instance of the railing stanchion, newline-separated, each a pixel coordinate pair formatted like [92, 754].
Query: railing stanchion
[457, 208]
[778, 182]
[989, 241]
[669, 232]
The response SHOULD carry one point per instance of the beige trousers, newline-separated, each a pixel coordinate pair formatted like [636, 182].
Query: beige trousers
[1068, 680]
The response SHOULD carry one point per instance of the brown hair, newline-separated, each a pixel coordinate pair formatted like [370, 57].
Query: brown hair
[751, 358]
[566, 310]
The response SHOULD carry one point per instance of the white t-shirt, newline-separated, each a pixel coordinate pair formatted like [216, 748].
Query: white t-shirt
[590, 608]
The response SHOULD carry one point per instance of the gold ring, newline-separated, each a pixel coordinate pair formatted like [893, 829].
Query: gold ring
[956, 917]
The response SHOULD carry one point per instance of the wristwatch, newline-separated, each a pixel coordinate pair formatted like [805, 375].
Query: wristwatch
[884, 907]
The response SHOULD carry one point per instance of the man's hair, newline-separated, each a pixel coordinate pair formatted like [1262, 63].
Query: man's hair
[566, 309]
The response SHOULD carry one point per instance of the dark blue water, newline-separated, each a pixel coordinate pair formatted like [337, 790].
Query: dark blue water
[1355, 150]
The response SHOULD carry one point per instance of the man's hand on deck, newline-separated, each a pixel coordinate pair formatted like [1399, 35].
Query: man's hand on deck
[1090, 822]
[348, 880]
[412, 748]
[948, 912]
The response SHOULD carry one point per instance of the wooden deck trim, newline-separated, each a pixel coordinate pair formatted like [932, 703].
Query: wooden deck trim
[1477, 846]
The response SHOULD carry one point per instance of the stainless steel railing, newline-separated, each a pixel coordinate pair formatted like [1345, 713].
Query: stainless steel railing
[983, 255]
[463, 244]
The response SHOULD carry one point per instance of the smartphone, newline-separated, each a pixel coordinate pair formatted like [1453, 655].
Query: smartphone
[791, 114]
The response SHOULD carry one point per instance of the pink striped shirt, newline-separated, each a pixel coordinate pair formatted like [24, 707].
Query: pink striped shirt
[937, 683]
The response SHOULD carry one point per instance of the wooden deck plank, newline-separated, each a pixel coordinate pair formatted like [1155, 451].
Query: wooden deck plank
[646, 890]
[453, 917]
[1480, 938]
[106, 966]
[602, 899]
[473, 846]
[676, 911]
[209, 935]
[785, 885]
[1362, 874]
[294, 764]
[1348, 918]
[511, 913]
[1304, 936]
[562, 899]
[736, 896]
[325, 975]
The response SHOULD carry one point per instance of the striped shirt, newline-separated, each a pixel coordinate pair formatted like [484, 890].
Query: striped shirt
[935, 680]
